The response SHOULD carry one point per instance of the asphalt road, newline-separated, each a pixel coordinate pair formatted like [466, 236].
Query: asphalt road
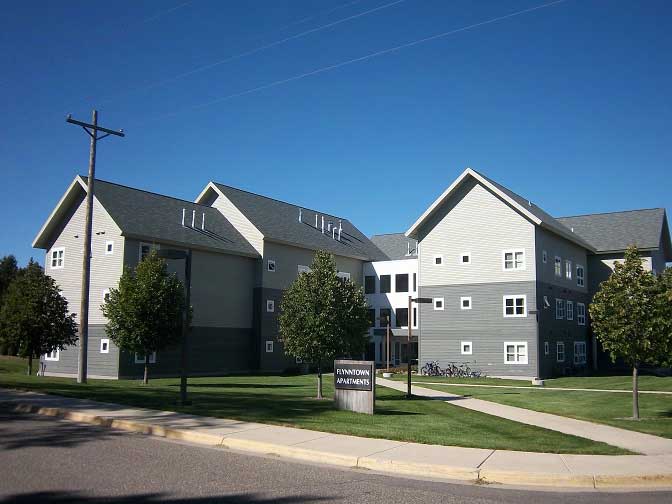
[45, 460]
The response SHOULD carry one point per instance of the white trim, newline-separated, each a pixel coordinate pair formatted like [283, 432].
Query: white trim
[462, 256]
[520, 357]
[462, 300]
[581, 314]
[53, 356]
[270, 265]
[104, 345]
[58, 258]
[67, 194]
[513, 253]
[557, 272]
[437, 256]
[580, 280]
[109, 247]
[583, 354]
[569, 310]
[140, 359]
[558, 346]
[303, 269]
[443, 303]
[464, 344]
[568, 269]
[270, 305]
[269, 346]
[559, 309]
[514, 297]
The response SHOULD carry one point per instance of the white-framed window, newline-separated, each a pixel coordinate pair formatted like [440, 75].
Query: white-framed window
[140, 358]
[438, 260]
[579, 352]
[109, 247]
[515, 306]
[513, 260]
[269, 346]
[580, 276]
[515, 352]
[559, 309]
[438, 303]
[344, 275]
[570, 310]
[465, 258]
[581, 313]
[547, 348]
[303, 269]
[104, 345]
[270, 305]
[560, 351]
[568, 269]
[544, 256]
[270, 265]
[106, 295]
[146, 248]
[54, 355]
[57, 258]
[558, 266]
[466, 348]
[465, 303]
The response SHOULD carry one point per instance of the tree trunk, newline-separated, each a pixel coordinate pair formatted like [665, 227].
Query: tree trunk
[30, 364]
[319, 381]
[635, 392]
[145, 379]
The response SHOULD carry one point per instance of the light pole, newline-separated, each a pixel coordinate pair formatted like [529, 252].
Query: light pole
[181, 254]
[411, 300]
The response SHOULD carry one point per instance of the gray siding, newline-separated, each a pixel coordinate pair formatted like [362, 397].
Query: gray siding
[484, 325]
[555, 245]
[100, 365]
[269, 331]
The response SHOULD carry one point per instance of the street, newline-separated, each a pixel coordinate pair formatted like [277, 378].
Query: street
[48, 460]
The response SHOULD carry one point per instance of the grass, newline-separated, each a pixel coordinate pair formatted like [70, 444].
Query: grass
[289, 401]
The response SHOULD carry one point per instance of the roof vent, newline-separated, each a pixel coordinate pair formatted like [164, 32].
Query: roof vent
[408, 248]
[529, 203]
[203, 222]
[193, 218]
[572, 229]
[300, 214]
[184, 210]
[323, 224]
[340, 228]
[315, 221]
[330, 225]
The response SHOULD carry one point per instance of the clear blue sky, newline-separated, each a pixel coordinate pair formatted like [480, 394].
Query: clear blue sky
[569, 105]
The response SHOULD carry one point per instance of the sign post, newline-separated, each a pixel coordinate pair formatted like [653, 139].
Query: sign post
[355, 386]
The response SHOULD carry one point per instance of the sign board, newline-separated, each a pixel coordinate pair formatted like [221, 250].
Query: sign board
[355, 385]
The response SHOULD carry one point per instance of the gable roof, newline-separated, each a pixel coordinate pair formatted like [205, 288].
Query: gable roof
[615, 231]
[279, 221]
[154, 217]
[523, 206]
[395, 245]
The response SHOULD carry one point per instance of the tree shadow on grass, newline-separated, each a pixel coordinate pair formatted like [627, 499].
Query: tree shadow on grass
[237, 385]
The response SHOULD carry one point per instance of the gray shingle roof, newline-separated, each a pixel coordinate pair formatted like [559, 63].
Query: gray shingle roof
[147, 215]
[616, 231]
[395, 245]
[279, 221]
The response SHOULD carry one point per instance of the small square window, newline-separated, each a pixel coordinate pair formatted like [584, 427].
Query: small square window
[109, 248]
[269, 347]
[106, 295]
[270, 265]
[438, 303]
[465, 258]
[140, 358]
[465, 303]
[270, 305]
[104, 345]
[57, 258]
[438, 260]
[466, 348]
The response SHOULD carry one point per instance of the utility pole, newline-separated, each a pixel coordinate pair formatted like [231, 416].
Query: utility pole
[92, 130]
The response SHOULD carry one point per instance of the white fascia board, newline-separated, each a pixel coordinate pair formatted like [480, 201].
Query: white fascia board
[68, 193]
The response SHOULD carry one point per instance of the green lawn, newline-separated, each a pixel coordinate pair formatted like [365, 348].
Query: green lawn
[288, 401]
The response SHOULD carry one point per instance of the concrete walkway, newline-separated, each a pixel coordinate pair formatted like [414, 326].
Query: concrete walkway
[410, 459]
[630, 440]
[564, 389]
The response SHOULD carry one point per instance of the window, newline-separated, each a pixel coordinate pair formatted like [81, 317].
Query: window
[270, 265]
[580, 276]
[579, 352]
[558, 266]
[402, 317]
[465, 258]
[385, 317]
[513, 260]
[401, 282]
[372, 317]
[140, 358]
[54, 355]
[415, 282]
[515, 352]
[303, 269]
[369, 284]
[466, 347]
[568, 269]
[547, 349]
[465, 303]
[270, 305]
[559, 309]
[438, 303]
[344, 275]
[106, 295]
[570, 310]
[57, 258]
[514, 306]
[145, 249]
[560, 351]
[581, 313]
[385, 284]
[544, 257]
[109, 247]
[269, 347]
[104, 345]
[438, 260]
[415, 317]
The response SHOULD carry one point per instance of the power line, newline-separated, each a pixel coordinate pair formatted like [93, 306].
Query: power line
[166, 11]
[321, 13]
[361, 58]
[258, 49]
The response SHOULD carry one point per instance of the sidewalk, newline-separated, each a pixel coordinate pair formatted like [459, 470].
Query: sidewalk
[630, 440]
[563, 389]
[409, 459]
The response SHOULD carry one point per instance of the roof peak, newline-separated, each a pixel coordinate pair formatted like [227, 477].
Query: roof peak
[613, 212]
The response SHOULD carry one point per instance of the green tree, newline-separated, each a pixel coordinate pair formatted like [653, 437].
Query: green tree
[34, 317]
[323, 316]
[628, 317]
[144, 312]
[8, 272]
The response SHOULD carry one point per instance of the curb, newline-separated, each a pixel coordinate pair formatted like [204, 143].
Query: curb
[445, 472]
